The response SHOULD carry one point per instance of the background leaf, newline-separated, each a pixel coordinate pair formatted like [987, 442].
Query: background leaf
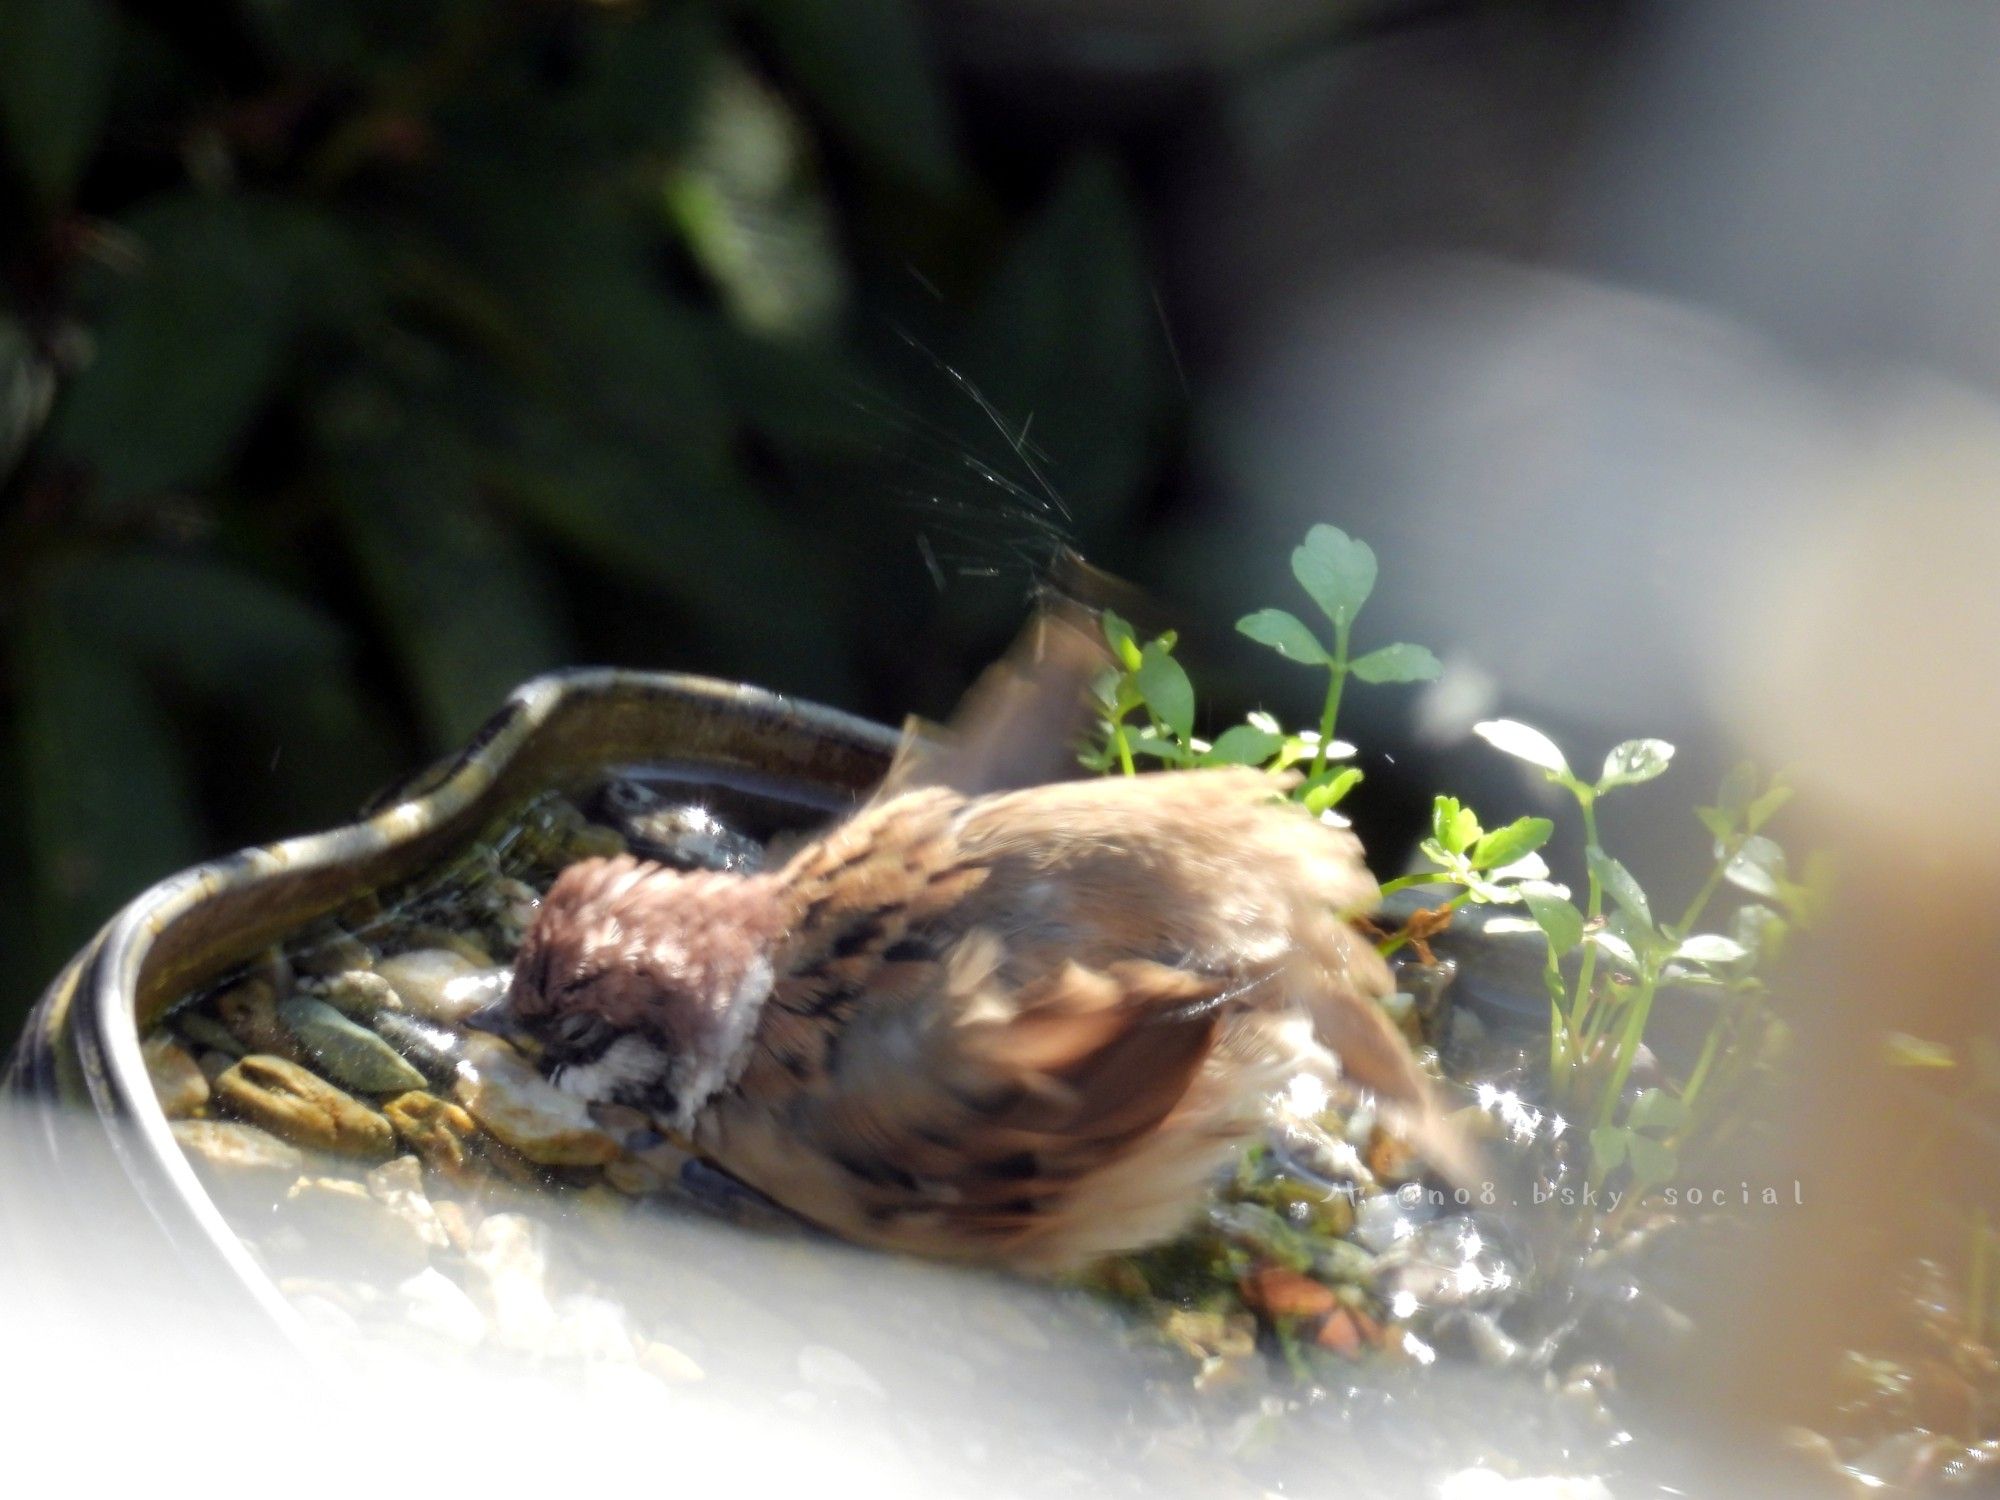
[1620, 886]
[1336, 570]
[1286, 633]
[1164, 684]
[1560, 922]
[1634, 762]
[1401, 662]
[1523, 742]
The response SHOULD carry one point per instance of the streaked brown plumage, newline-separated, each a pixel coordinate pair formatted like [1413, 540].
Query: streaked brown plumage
[1021, 1026]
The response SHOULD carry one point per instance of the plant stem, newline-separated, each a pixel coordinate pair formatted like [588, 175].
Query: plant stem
[1708, 888]
[1628, 1044]
[1586, 969]
[1330, 711]
[1123, 746]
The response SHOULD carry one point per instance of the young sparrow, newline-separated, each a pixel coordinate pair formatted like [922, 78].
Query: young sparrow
[1019, 1025]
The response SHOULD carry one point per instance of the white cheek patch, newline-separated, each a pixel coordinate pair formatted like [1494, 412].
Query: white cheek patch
[629, 1065]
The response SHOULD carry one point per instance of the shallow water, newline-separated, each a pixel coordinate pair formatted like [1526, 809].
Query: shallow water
[1330, 1325]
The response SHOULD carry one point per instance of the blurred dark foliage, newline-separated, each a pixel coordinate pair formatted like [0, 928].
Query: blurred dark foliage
[363, 359]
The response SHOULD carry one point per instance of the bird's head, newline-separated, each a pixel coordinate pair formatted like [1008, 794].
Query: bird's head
[643, 984]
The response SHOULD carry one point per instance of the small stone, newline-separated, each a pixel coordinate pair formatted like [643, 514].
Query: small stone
[1279, 1292]
[214, 1064]
[338, 953]
[399, 1187]
[507, 1255]
[290, 1102]
[250, 1012]
[352, 1054]
[424, 1044]
[204, 1030]
[226, 1147]
[177, 1079]
[434, 1302]
[452, 939]
[359, 993]
[667, 1363]
[436, 1129]
[441, 984]
[512, 1101]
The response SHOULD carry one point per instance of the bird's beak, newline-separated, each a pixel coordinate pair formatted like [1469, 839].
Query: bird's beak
[499, 1019]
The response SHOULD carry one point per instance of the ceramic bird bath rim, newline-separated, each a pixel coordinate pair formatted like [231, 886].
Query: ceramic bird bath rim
[81, 1045]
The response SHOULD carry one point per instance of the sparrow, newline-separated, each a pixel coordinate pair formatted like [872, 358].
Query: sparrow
[990, 1016]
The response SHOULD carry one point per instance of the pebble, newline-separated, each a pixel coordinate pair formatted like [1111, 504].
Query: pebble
[434, 1302]
[424, 1044]
[340, 953]
[353, 992]
[178, 1081]
[508, 1256]
[225, 1146]
[205, 1031]
[436, 1129]
[214, 1064]
[290, 1102]
[250, 1013]
[459, 1223]
[399, 1187]
[520, 1108]
[352, 1054]
[441, 984]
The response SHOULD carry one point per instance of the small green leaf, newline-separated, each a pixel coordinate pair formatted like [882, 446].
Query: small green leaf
[1503, 846]
[1401, 662]
[1164, 685]
[1561, 923]
[1243, 745]
[1453, 826]
[1523, 742]
[1336, 570]
[1608, 1145]
[1710, 948]
[1611, 943]
[1759, 868]
[1657, 1110]
[1325, 793]
[1118, 635]
[1286, 634]
[1902, 1050]
[1634, 762]
[1619, 885]
[1652, 1161]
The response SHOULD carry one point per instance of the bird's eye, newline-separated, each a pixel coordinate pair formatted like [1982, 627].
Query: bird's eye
[580, 1031]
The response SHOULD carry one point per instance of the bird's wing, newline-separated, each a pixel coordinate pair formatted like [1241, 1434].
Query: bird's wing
[959, 1110]
[1020, 723]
